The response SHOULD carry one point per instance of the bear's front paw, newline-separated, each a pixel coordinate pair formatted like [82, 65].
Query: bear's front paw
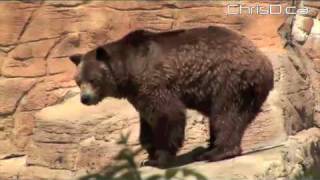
[161, 160]
[148, 162]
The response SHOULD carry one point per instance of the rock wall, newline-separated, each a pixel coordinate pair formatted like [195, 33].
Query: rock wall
[306, 32]
[45, 133]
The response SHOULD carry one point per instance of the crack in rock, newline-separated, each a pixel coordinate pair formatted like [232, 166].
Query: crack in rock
[26, 25]
[23, 95]
[49, 53]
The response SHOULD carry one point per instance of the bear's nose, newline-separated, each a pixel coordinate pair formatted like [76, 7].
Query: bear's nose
[85, 99]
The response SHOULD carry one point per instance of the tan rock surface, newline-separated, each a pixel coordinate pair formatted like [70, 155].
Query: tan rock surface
[311, 51]
[37, 49]
[28, 68]
[23, 128]
[11, 92]
[15, 24]
[285, 162]
[6, 124]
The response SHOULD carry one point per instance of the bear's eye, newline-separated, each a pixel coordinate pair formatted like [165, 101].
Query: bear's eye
[93, 81]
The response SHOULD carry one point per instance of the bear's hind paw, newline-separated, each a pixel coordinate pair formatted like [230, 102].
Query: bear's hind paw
[218, 154]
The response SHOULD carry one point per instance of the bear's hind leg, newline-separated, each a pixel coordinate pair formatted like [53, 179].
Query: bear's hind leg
[227, 129]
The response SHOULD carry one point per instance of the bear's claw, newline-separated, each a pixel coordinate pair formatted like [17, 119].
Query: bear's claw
[146, 162]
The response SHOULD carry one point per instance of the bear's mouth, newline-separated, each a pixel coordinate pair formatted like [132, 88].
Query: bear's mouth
[89, 100]
[92, 102]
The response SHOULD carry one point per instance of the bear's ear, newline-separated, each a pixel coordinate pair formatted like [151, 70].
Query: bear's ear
[137, 37]
[76, 58]
[102, 54]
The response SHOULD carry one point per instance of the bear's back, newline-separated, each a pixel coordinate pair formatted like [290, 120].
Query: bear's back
[200, 62]
[208, 46]
[211, 50]
[211, 34]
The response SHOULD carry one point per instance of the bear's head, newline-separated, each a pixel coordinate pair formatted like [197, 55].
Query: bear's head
[110, 70]
[94, 75]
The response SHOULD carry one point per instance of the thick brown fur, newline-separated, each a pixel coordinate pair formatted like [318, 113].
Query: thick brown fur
[213, 70]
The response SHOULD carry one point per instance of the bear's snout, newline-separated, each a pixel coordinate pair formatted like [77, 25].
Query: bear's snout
[88, 99]
[88, 94]
[85, 99]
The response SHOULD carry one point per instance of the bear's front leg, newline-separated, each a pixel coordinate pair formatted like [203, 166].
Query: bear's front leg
[168, 136]
[146, 137]
[167, 120]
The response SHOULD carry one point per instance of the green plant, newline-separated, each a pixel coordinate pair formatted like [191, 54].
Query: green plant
[126, 168]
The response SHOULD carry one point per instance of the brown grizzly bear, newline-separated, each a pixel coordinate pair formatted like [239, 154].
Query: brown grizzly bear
[213, 70]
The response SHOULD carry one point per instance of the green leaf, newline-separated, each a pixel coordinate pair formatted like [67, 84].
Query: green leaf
[154, 177]
[114, 170]
[199, 176]
[137, 151]
[170, 173]
[189, 172]
[130, 176]
[124, 139]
